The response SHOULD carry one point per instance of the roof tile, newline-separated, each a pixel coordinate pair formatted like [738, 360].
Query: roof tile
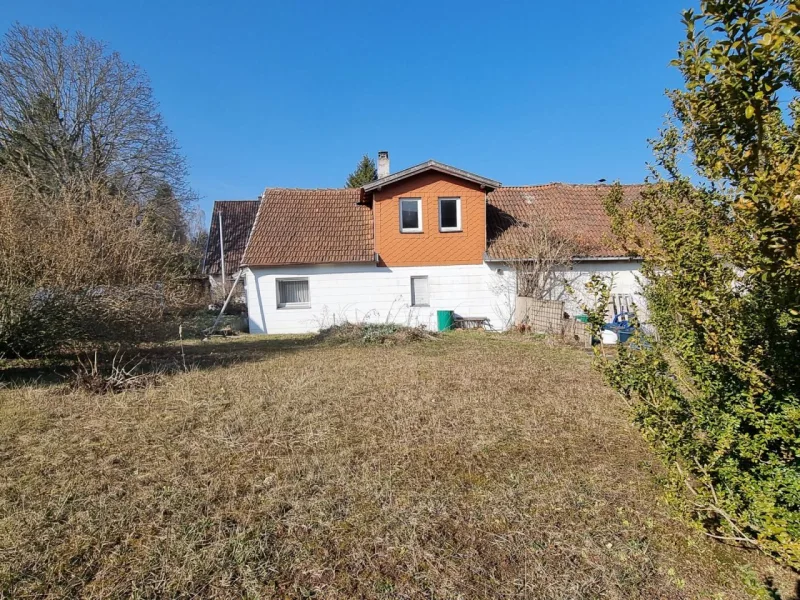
[297, 226]
[573, 210]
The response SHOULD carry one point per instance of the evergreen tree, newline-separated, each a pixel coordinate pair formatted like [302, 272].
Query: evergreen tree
[365, 172]
[164, 214]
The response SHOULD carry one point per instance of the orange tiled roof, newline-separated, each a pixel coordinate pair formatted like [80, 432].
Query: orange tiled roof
[572, 210]
[317, 226]
[296, 226]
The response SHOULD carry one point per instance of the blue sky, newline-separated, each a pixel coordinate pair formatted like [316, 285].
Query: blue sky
[294, 93]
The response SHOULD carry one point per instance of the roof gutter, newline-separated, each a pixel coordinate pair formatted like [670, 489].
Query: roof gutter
[607, 258]
[576, 259]
[371, 261]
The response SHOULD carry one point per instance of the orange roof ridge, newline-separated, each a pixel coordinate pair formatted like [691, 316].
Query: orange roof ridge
[299, 189]
[564, 183]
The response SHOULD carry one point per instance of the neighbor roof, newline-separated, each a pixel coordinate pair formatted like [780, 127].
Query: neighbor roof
[296, 226]
[574, 211]
[237, 220]
[430, 165]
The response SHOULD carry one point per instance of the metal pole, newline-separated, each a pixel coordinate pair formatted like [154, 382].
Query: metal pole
[211, 329]
[222, 252]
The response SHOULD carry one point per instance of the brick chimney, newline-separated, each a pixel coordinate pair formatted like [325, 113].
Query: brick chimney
[383, 164]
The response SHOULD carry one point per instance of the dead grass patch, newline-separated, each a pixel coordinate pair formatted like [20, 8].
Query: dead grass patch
[480, 466]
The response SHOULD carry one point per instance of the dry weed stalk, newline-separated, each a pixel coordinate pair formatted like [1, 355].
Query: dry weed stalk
[122, 375]
[539, 252]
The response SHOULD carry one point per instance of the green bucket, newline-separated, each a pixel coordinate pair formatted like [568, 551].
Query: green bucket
[582, 318]
[444, 319]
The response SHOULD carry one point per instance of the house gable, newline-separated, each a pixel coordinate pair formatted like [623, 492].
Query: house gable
[431, 166]
[431, 245]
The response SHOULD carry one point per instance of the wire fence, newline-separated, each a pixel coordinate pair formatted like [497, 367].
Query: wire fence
[549, 317]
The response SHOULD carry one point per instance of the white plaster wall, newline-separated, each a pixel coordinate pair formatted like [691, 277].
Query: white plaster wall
[622, 275]
[359, 293]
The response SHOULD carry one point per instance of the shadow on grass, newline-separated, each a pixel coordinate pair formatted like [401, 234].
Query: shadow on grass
[774, 593]
[168, 358]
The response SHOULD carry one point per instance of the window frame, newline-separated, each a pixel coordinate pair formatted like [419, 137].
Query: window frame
[419, 215]
[458, 226]
[291, 305]
[428, 289]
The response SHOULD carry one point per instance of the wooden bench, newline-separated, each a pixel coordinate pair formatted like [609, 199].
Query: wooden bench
[471, 323]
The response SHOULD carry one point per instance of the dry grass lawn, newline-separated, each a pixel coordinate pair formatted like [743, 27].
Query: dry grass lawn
[474, 466]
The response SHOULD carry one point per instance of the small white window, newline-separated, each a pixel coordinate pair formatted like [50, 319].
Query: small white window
[293, 293]
[449, 214]
[419, 292]
[410, 215]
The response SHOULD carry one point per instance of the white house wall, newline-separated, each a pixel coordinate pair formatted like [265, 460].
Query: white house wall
[367, 293]
[358, 293]
[623, 276]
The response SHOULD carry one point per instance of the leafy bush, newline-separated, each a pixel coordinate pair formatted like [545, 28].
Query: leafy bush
[718, 394]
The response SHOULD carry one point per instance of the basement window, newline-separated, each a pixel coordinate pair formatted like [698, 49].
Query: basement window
[293, 293]
[419, 291]
[449, 214]
[410, 215]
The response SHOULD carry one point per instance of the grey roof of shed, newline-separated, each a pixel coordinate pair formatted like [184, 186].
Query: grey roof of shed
[237, 220]
[431, 165]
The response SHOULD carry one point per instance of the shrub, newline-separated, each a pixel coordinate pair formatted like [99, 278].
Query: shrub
[118, 376]
[718, 394]
[375, 333]
[77, 265]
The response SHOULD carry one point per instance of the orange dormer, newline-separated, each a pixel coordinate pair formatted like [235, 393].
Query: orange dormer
[430, 214]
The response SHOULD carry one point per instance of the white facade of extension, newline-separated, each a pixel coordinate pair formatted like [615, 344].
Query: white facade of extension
[369, 293]
[622, 275]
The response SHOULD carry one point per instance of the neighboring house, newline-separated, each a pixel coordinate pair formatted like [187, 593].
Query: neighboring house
[426, 238]
[236, 219]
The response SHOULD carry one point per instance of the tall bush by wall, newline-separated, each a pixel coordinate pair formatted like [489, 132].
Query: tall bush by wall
[719, 395]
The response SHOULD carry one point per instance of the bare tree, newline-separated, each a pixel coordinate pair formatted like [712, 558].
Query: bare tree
[539, 254]
[71, 109]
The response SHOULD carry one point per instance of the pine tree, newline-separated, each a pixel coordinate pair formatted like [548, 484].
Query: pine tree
[365, 172]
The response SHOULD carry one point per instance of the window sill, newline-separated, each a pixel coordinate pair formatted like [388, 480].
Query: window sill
[420, 306]
[411, 231]
[293, 306]
[451, 230]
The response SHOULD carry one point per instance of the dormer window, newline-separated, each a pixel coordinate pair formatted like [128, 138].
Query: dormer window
[449, 214]
[410, 215]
